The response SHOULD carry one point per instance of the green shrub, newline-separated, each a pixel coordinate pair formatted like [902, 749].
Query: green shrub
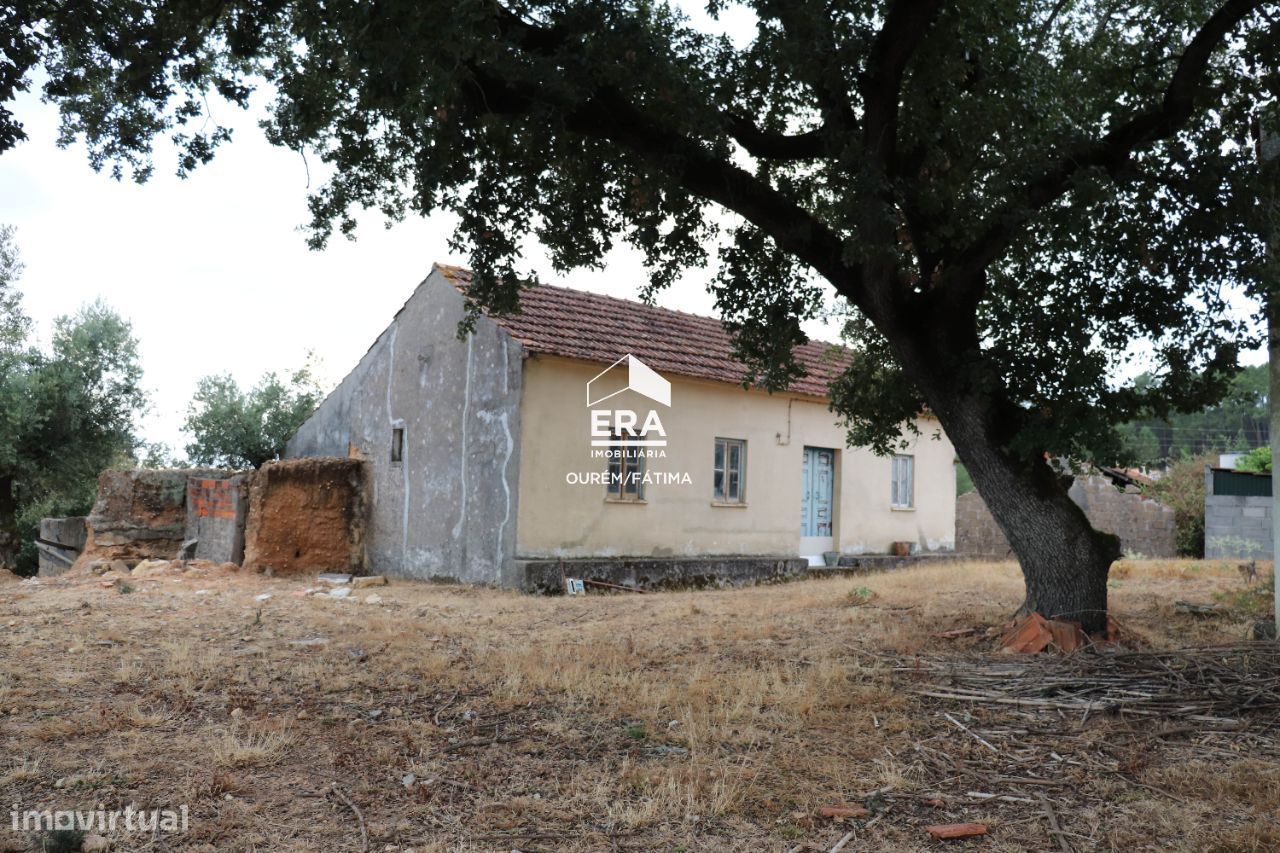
[1182, 490]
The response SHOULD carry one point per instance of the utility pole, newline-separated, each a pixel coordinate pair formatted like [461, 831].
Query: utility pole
[1268, 138]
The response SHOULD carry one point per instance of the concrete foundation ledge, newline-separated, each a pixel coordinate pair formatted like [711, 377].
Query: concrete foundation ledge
[858, 563]
[660, 572]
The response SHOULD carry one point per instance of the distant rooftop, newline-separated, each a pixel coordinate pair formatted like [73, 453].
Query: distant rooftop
[576, 324]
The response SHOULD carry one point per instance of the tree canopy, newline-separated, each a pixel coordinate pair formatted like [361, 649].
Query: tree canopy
[1009, 194]
[235, 428]
[1052, 180]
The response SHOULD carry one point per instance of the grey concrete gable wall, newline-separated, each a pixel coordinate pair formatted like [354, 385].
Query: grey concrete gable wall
[448, 510]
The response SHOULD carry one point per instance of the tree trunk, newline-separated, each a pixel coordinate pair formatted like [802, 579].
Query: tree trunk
[9, 541]
[1065, 561]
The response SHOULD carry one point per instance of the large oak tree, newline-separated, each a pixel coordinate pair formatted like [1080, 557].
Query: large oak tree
[1010, 194]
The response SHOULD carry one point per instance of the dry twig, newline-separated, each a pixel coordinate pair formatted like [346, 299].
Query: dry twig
[364, 832]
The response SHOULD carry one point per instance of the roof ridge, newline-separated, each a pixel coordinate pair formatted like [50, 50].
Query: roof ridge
[597, 327]
[450, 270]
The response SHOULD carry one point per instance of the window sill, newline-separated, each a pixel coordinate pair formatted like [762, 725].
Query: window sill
[902, 509]
[625, 501]
[730, 504]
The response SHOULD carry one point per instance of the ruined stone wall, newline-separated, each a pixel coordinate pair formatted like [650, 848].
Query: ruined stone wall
[140, 514]
[1145, 526]
[306, 515]
[976, 530]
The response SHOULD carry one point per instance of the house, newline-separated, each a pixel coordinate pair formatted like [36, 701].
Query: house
[594, 428]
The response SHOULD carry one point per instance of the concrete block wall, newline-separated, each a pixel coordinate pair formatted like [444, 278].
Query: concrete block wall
[1237, 526]
[977, 533]
[1145, 526]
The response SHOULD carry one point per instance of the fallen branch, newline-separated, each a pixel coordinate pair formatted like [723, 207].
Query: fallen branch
[489, 741]
[1054, 829]
[616, 586]
[848, 836]
[1004, 798]
[971, 733]
[435, 718]
[1215, 686]
[364, 832]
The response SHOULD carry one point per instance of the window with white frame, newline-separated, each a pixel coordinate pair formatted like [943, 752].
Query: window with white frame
[626, 469]
[730, 471]
[903, 491]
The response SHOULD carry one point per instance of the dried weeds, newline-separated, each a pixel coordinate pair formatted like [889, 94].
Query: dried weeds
[466, 719]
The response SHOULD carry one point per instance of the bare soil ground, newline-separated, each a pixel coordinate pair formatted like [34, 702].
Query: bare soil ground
[469, 719]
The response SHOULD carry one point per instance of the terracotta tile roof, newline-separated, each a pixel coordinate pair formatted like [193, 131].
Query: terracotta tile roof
[591, 327]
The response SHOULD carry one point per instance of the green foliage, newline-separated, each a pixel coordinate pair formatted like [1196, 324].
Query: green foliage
[1182, 489]
[1238, 422]
[234, 428]
[65, 414]
[964, 483]
[1257, 460]
[860, 595]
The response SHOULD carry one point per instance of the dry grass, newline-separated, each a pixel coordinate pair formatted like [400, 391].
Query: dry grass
[699, 721]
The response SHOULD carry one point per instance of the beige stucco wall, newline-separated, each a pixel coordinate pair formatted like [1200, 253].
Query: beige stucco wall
[556, 518]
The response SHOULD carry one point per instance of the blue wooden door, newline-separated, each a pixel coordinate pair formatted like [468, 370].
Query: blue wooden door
[816, 497]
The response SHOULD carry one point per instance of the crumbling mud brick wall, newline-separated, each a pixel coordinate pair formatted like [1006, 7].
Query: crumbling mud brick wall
[306, 515]
[140, 514]
[217, 509]
[1145, 526]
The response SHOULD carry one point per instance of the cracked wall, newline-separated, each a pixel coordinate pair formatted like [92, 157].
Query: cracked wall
[447, 508]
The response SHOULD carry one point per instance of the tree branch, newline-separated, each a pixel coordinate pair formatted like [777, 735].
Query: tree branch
[607, 115]
[766, 144]
[808, 24]
[904, 27]
[1110, 151]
